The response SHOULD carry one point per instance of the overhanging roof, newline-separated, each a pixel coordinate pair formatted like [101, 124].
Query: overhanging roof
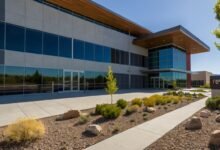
[177, 36]
[101, 14]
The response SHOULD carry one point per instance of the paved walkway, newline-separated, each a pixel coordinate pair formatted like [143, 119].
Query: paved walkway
[11, 108]
[141, 136]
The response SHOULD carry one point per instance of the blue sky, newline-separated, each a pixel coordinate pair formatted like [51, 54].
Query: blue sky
[195, 15]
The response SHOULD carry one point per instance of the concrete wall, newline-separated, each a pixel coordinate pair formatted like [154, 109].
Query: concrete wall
[2, 10]
[35, 15]
[202, 75]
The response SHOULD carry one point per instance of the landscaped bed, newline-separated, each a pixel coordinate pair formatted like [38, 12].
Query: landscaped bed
[181, 138]
[71, 134]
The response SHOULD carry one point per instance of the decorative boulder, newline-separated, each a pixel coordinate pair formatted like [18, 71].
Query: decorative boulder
[151, 109]
[84, 114]
[69, 115]
[94, 129]
[205, 114]
[194, 123]
[217, 119]
[215, 138]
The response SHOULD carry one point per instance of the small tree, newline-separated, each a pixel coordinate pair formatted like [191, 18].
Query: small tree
[217, 30]
[111, 83]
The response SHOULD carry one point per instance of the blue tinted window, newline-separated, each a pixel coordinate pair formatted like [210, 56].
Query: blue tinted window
[98, 53]
[107, 54]
[50, 44]
[49, 76]
[14, 75]
[33, 76]
[89, 51]
[2, 35]
[34, 41]
[78, 51]
[65, 47]
[14, 38]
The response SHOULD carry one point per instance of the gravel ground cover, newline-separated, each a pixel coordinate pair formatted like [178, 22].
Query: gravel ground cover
[181, 139]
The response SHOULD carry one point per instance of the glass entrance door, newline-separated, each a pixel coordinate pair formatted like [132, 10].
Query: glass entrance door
[157, 83]
[72, 80]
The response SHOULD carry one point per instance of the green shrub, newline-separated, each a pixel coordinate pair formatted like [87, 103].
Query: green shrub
[200, 95]
[213, 103]
[132, 109]
[83, 119]
[122, 103]
[206, 86]
[100, 108]
[111, 112]
[149, 102]
[180, 93]
[137, 101]
[175, 99]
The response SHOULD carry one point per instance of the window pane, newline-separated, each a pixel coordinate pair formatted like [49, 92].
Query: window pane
[1, 80]
[14, 77]
[33, 76]
[98, 53]
[65, 47]
[1, 75]
[89, 51]
[107, 54]
[33, 80]
[78, 51]
[50, 79]
[117, 56]
[60, 80]
[89, 80]
[50, 44]
[34, 41]
[113, 56]
[99, 80]
[2, 35]
[14, 38]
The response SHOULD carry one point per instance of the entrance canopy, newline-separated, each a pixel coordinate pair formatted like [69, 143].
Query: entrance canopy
[177, 36]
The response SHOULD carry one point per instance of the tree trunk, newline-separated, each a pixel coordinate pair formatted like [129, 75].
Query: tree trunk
[111, 99]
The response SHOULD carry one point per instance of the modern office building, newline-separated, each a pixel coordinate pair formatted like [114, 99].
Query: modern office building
[201, 78]
[67, 45]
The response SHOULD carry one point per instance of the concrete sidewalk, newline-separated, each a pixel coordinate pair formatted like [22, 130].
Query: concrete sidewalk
[12, 110]
[139, 137]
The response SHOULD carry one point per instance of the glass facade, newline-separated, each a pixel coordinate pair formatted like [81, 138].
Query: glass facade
[138, 60]
[15, 36]
[138, 82]
[2, 35]
[27, 80]
[165, 59]
[50, 44]
[34, 41]
[14, 79]
[65, 47]
[37, 42]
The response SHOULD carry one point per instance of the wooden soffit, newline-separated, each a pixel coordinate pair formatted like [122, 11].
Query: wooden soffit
[100, 14]
[177, 36]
